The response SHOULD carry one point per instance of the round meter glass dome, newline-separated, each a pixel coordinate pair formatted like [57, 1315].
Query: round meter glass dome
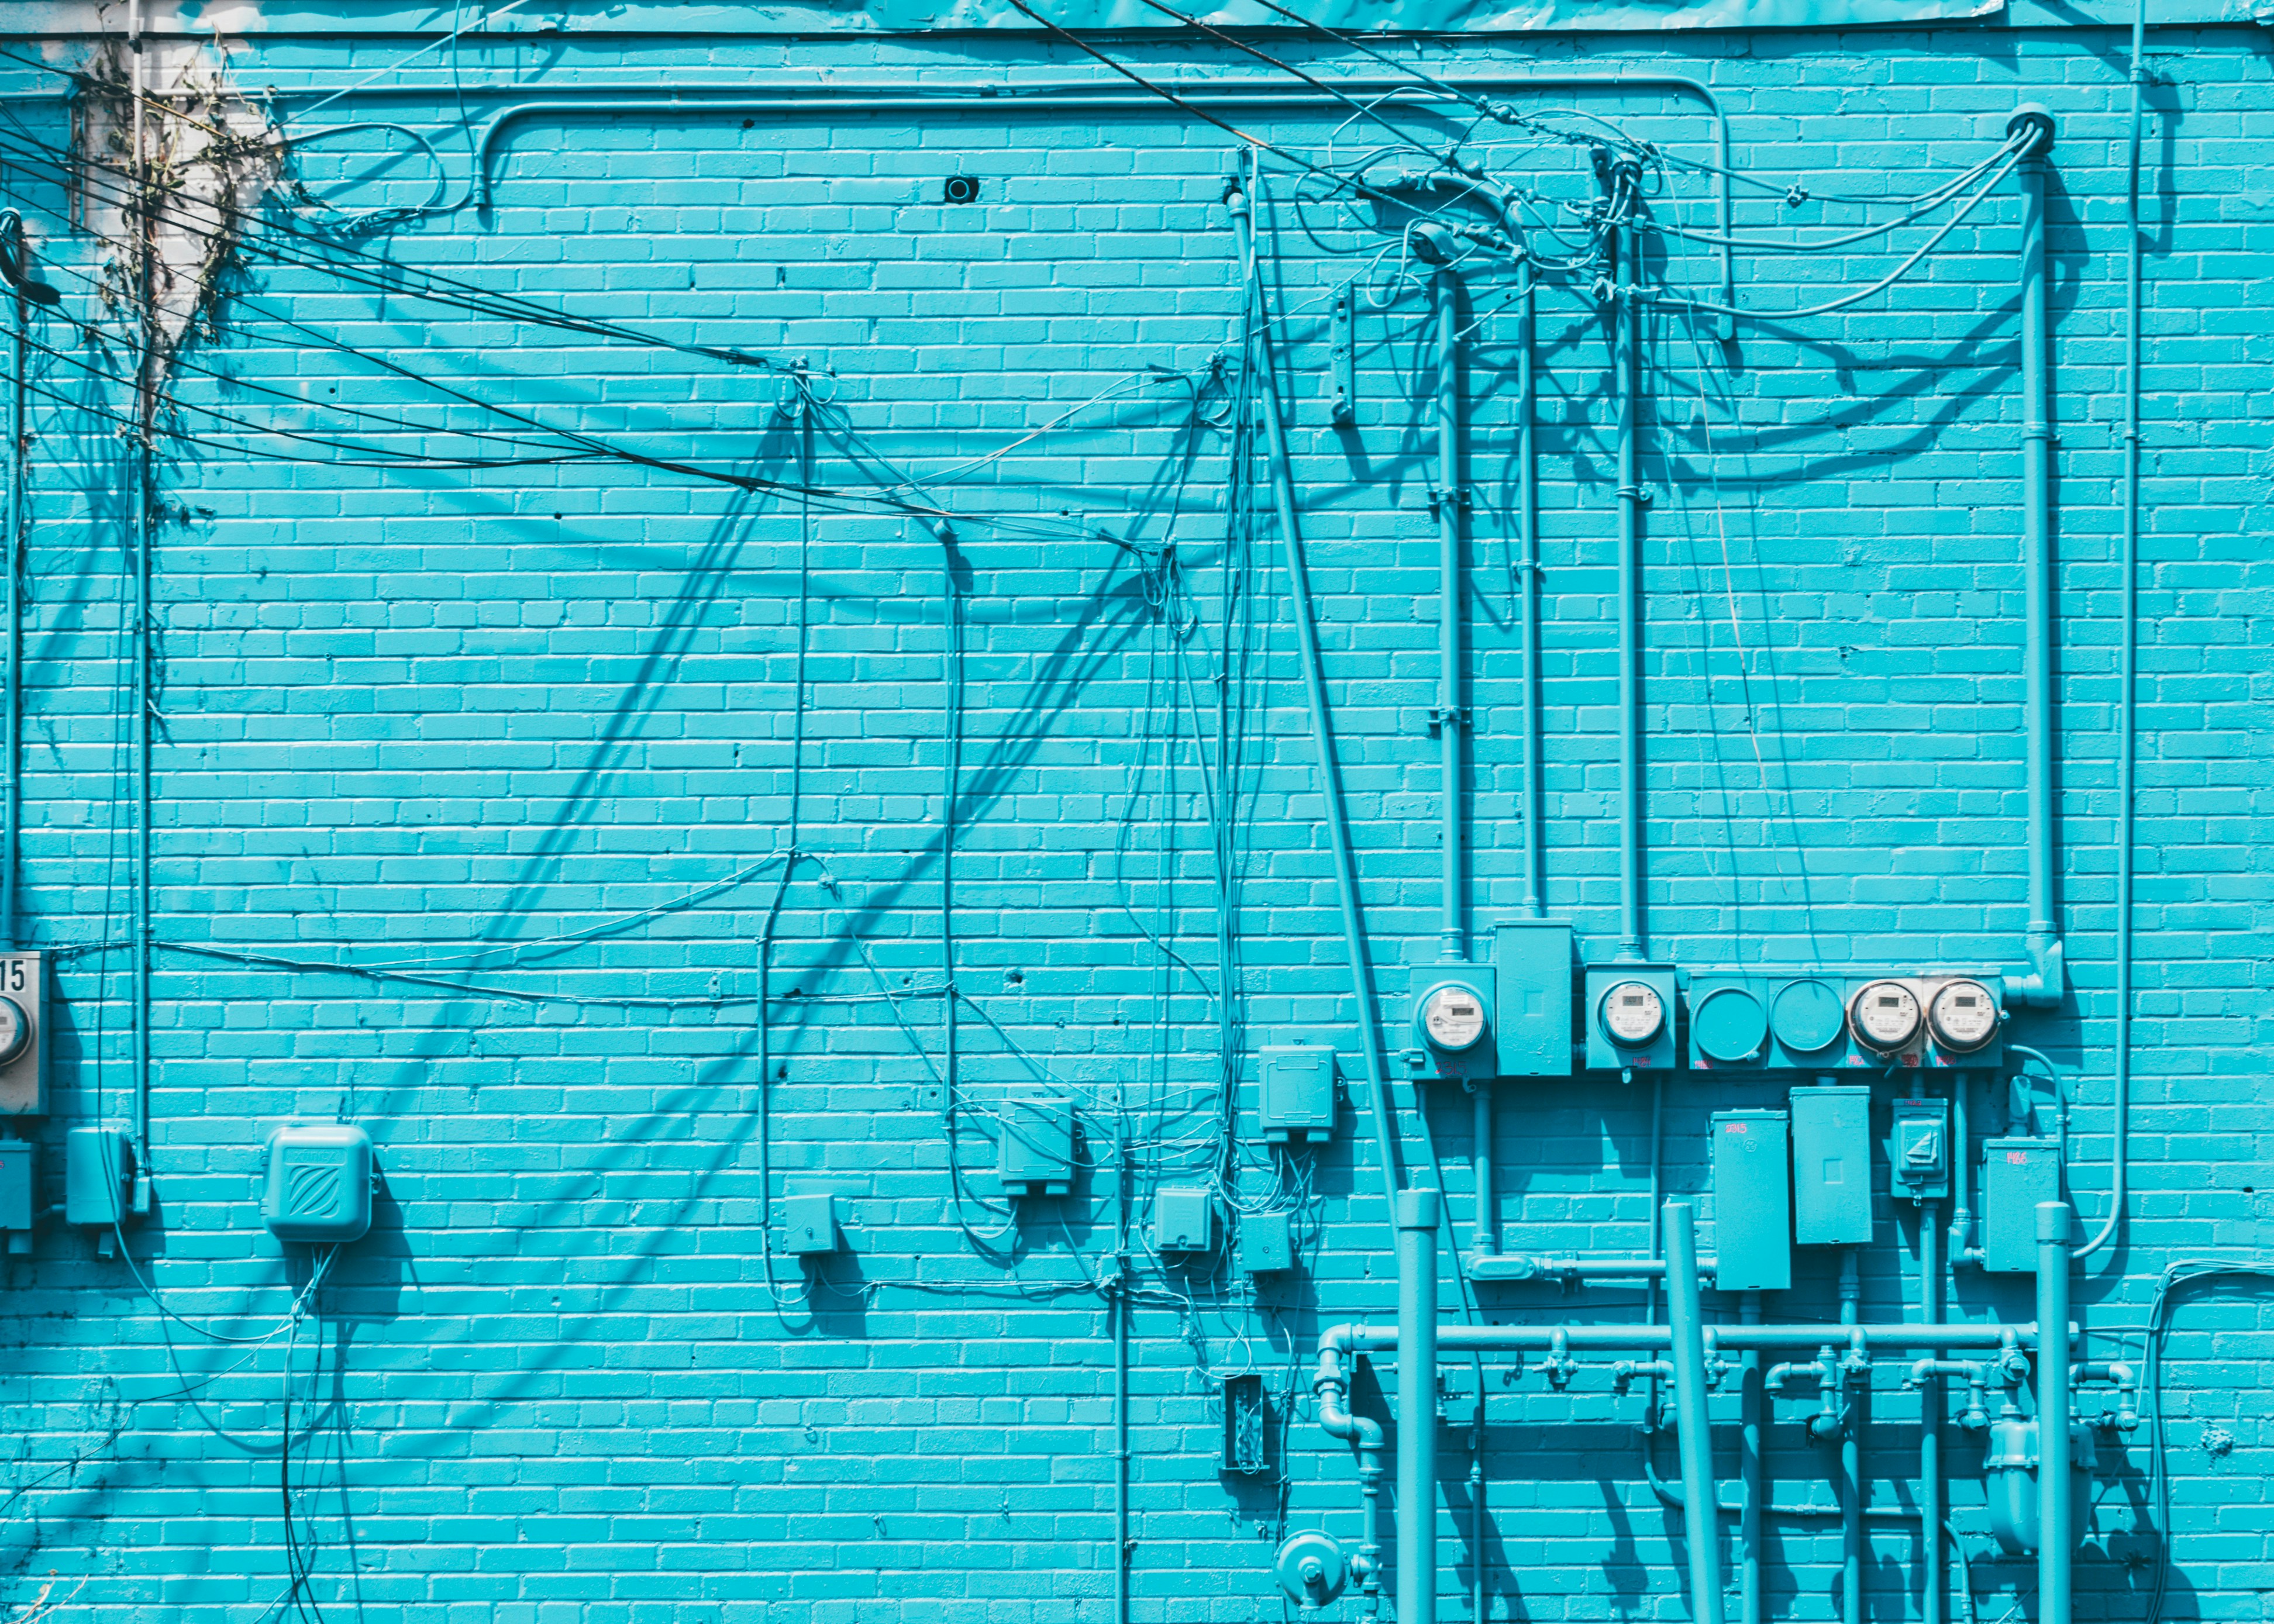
[1964, 1016]
[1885, 1016]
[1632, 1013]
[1453, 1017]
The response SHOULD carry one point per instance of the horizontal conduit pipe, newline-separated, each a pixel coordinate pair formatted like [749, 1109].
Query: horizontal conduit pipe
[1372, 1338]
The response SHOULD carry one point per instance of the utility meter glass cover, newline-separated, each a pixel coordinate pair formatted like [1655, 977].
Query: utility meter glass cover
[1964, 1015]
[1454, 1017]
[1885, 1015]
[15, 1029]
[1632, 1013]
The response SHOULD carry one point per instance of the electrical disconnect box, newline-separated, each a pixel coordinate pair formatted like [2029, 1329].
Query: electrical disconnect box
[1295, 1094]
[1629, 1016]
[1035, 1155]
[1532, 986]
[16, 1181]
[1752, 1202]
[1184, 1219]
[1266, 1242]
[319, 1184]
[1919, 1149]
[1453, 1023]
[1832, 1165]
[96, 1162]
[23, 1042]
[810, 1224]
[2017, 1175]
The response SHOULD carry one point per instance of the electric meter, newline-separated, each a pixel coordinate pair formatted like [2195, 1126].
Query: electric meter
[15, 1029]
[1964, 1016]
[1632, 1013]
[1453, 1016]
[1885, 1016]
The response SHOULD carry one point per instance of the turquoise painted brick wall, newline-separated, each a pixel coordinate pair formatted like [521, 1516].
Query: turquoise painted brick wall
[442, 751]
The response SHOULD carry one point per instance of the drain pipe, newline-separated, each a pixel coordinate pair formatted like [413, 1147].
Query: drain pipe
[1686, 1328]
[2055, 1535]
[1322, 740]
[1627, 374]
[2041, 983]
[1417, 1406]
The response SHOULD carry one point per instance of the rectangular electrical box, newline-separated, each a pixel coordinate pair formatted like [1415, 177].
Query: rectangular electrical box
[1295, 1094]
[319, 1184]
[1247, 1425]
[96, 1163]
[1267, 1244]
[2016, 1175]
[1918, 1150]
[1184, 1218]
[17, 1169]
[1628, 1015]
[23, 1035]
[1035, 1155]
[1532, 982]
[1752, 1202]
[1832, 1165]
[810, 1224]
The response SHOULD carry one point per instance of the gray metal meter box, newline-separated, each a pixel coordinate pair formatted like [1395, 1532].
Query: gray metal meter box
[1295, 1094]
[16, 1179]
[1919, 1149]
[1832, 1165]
[23, 1039]
[2017, 1174]
[1267, 1244]
[1532, 984]
[810, 1224]
[318, 1184]
[1036, 1156]
[1628, 1016]
[96, 1162]
[1752, 1202]
[1184, 1218]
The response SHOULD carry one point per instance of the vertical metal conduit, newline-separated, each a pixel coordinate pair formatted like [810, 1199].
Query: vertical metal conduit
[1627, 380]
[1446, 496]
[1686, 1323]
[1417, 1406]
[11, 844]
[138, 500]
[1931, 1408]
[1750, 1474]
[1527, 529]
[2056, 1537]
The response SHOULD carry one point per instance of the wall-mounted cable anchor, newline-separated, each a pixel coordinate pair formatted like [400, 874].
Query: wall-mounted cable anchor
[1439, 714]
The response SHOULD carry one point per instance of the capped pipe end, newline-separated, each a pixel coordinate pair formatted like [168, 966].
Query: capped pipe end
[2035, 119]
[1432, 244]
[1417, 1209]
[2053, 1221]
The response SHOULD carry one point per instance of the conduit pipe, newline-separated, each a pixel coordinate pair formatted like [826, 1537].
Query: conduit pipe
[11, 851]
[1447, 497]
[1931, 1410]
[1627, 382]
[1360, 1336]
[1851, 1453]
[1322, 740]
[1686, 1331]
[1750, 1472]
[1527, 531]
[1417, 1406]
[139, 496]
[2041, 983]
[2056, 1537]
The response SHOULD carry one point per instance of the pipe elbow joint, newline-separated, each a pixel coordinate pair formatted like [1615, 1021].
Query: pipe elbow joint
[2042, 983]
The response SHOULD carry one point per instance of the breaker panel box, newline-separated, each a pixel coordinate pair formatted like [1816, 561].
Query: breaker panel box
[1453, 1022]
[1832, 1165]
[1036, 1156]
[1532, 993]
[1267, 1244]
[1752, 1201]
[1919, 1149]
[319, 1184]
[97, 1162]
[1184, 1218]
[810, 1224]
[23, 1039]
[18, 1179]
[1295, 1094]
[2017, 1174]
[1629, 1018]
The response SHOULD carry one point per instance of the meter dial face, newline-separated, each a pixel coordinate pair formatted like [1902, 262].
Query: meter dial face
[1454, 1017]
[1885, 1015]
[15, 1030]
[1964, 1016]
[1632, 1013]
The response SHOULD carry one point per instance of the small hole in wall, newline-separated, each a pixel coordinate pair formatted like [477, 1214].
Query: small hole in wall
[961, 189]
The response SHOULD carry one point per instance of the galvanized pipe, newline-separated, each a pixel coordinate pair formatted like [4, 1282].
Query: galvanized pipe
[1686, 1328]
[1444, 289]
[1417, 1406]
[2056, 1538]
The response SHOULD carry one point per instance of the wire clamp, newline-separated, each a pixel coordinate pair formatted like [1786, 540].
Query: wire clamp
[1458, 495]
[1439, 714]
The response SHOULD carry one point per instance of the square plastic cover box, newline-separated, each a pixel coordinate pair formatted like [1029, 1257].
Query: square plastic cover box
[319, 1185]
